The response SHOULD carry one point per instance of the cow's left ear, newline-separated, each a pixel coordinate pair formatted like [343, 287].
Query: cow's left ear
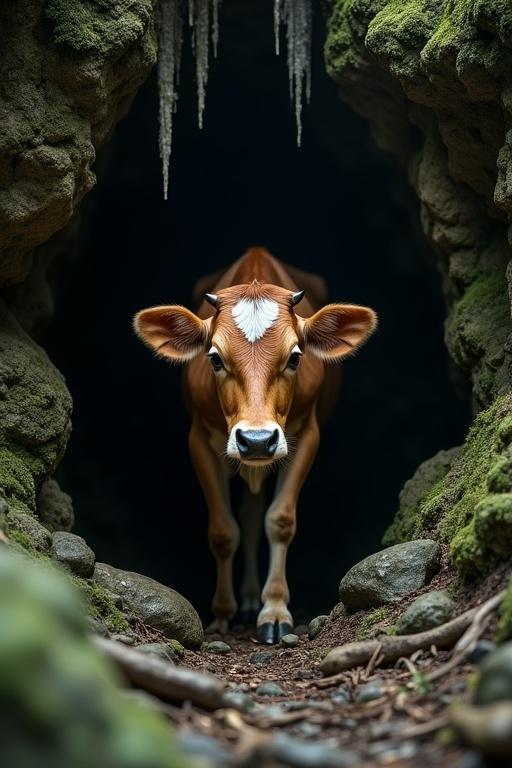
[172, 331]
[337, 330]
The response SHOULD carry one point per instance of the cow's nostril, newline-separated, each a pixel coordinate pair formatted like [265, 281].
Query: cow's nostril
[273, 442]
[242, 442]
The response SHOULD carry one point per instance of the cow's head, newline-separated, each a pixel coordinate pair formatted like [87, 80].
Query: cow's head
[254, 343]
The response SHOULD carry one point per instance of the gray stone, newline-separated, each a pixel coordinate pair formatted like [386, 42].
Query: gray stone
[158, 606]
[162, 650]
[481, 650]
[54, 507]
[39, 537]
[261, 658]
[72, 552]
[269, 689]
[388, 575]
[309, 730]
[369, 692]
[290, 640]
[97, 627]
[300, 754]
[216, 646]
[340, 696]
[207, 749]
[315, 625]
[301, 629]
[426, 612]
[124, 639]
[238, 700]
[495, 680]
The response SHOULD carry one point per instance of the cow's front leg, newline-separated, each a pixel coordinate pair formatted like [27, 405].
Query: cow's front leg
[223, 532]
[274, 619]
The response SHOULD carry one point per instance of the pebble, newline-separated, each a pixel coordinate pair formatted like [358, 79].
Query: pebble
[303, 674]
[216, 646]
[481, 650]
[426, 612]
[302, 754]
[369, 692]
[72, 552]
[495, 680]
[315, 625]
[269, 689]
[308, 729]
[162, 650]
[261, 658]
[238, 700]
[386, 576]
[340, 696]
[290, 640]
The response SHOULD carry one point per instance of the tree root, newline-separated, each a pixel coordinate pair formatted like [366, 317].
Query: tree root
[469, 624]
[162, 679]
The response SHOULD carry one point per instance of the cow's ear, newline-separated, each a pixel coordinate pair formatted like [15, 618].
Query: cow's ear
[172, 331]
[337, 330]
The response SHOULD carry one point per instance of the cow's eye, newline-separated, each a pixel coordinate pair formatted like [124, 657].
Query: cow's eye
[216, 361]
[294, 360]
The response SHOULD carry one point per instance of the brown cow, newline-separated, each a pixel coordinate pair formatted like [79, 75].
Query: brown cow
[256, 383]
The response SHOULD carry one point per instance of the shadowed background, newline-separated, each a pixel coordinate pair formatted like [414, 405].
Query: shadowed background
[336, 207]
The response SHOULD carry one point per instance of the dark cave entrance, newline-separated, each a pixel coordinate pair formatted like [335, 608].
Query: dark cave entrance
[336, 207]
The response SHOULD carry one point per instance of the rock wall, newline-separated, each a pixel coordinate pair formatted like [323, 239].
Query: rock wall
[433, 78]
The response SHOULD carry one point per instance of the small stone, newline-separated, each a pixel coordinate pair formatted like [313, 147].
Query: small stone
[269, 689]
[301, 629]
[207, 749]
[216, 646]
[315, 625]
[72, 552]
[386, 576]
[369, 692]
[290, 640]
[495, 679]
[261, 658]
[481, 650]
[162, 650]
[338, 612]
[309, 730]
[303, 674]
[426, 612]
[340, 696]
[302, 754]
[238, 700]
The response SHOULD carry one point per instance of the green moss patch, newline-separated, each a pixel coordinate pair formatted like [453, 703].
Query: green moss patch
[100, 605]
[505, 626]
[369, 621]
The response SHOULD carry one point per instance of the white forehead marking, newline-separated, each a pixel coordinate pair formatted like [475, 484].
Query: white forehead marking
[255, 316]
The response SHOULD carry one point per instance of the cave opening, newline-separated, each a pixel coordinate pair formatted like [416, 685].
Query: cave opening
[336, 207]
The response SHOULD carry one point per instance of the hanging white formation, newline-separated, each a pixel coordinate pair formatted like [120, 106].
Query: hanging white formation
[203, 18]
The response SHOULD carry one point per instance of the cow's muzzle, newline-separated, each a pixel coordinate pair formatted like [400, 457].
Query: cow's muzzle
[256, 443]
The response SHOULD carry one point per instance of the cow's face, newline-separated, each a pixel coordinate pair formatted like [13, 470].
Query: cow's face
[254, 344]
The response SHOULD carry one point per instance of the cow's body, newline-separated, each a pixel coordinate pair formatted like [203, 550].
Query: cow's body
[263, 402]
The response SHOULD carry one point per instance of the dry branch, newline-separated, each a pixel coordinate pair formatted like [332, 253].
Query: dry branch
[162, 679]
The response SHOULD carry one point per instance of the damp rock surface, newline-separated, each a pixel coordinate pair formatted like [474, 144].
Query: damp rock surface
[388, 575]
[72, 552]
[157, 605]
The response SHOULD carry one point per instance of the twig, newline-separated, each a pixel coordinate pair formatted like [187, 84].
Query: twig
[422, 729]
[351, 655]
[373, 661]
[164, 680]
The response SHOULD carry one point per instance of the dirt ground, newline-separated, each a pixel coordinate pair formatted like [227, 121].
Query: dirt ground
[406, 726]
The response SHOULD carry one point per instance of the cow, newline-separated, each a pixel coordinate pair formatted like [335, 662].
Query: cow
[257, 383]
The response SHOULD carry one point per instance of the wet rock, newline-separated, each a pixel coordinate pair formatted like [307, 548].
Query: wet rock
[315, 625]
[495, 680]
[340, 696]
[216, 646]
[269, 689]
[158, 606]
[54, 507]
[162, 650]
[481, 650]
[388, 575]
[369, 692]
[261, 658]
[72, 552]
[488, 728]
[300, 754]
[290, 641]
[426, 612]
[29, 530]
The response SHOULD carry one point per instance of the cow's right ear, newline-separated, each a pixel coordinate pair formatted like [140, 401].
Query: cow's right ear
[172, 331]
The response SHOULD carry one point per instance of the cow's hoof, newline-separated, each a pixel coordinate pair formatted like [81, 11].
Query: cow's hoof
[272, 633]
[218, 627]
[247, 617]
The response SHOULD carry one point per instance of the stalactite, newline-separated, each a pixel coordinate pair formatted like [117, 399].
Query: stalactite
[296, 16]
[203, 18]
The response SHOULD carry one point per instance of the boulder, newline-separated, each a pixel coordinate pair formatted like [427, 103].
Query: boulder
[156, 605]
[54, 507]
[72, 552]
[426, 612]
[388, 575]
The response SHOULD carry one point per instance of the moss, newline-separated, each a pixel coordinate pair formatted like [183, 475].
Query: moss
[505, 624]
[101, 606]
[411, 522]
[379, 614]
[99, 26]
[16, 481]
[23, 540]
[177, 647]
